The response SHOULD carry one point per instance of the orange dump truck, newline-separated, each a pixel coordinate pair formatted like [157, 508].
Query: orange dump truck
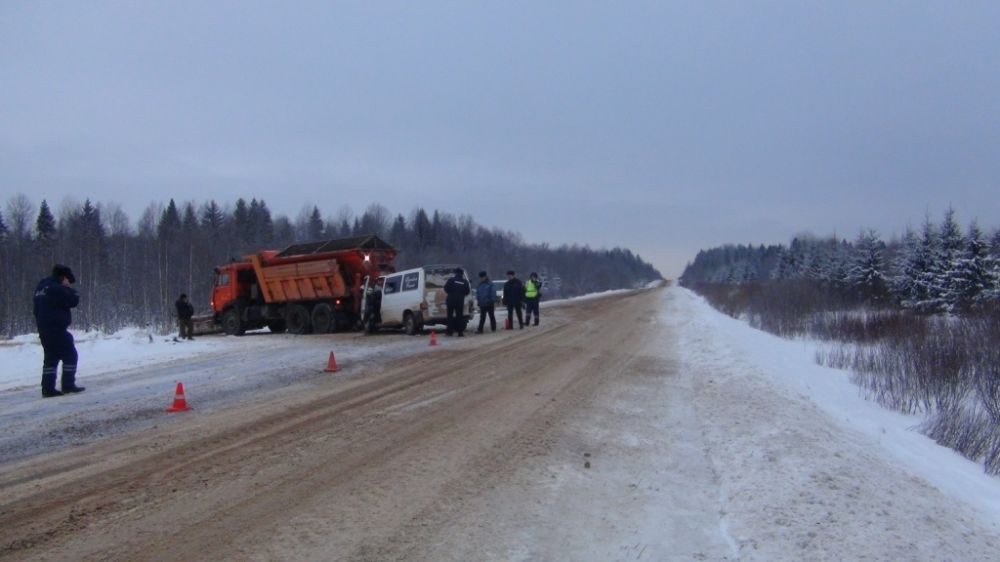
[314, 287]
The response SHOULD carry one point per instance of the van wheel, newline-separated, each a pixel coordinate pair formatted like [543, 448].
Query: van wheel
[297, 320]
[410, 324]
[322, 319]
[232, 324]
[276, 326]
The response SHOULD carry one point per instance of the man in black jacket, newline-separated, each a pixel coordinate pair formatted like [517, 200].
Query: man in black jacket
[456, 288]
[52, 303]
[513, 297]
[185, 311]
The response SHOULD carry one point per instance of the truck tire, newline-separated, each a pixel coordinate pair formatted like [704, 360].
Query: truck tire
[297, 320]
[232, 324]
[410, 324]
[322, 319]
[277, 326]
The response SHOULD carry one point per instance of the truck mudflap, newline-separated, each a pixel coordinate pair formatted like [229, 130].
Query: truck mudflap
[206, 325]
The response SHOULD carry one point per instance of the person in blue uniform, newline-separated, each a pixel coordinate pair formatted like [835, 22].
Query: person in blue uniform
[456, 288]
[53, 301]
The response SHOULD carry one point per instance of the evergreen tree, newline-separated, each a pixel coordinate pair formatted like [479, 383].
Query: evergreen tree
[946, 289]
[923, 269]
[45, 225]
[867, 273]
[906, 268]
[241, 221]
[315, 226]
[212, 218]
[971, 278]
[170, 223]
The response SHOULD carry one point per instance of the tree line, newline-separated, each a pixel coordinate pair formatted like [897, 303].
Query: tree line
[938, 268]
[131, 273]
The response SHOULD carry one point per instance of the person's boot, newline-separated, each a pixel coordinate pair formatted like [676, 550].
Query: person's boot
[72, 389]
[49, 393]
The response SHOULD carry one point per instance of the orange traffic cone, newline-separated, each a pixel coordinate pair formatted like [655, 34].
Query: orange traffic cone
[331, 365]
[434, 339]
[180, 404]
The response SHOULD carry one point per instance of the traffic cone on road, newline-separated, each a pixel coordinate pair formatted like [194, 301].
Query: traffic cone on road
[434, 339]
[331, 365]
[180, 404]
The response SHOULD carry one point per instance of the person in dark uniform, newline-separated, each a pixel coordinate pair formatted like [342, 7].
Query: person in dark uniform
[456, 288]
[532, 294]
[52, 303]
[185, 311]
[513, 297]
[486, 297]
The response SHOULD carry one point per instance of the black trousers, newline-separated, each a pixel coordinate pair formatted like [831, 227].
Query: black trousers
[530, 305]
[456, 320]
[483, 311]
[511, 308]
[58, 347]
[185, 328]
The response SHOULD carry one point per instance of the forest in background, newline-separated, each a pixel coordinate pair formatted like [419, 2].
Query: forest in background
[936, 269]
[130, 274]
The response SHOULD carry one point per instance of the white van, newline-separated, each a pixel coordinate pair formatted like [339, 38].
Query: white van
[411, 299]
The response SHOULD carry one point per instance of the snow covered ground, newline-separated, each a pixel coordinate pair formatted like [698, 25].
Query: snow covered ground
[130, 377]
[714, 441]
[806, 464]
[791, 364]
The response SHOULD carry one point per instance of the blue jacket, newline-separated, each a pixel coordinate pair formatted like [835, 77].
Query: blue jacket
[485, 295]
[52, 303]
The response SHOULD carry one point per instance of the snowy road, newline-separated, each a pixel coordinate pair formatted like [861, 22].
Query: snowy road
[633, 427]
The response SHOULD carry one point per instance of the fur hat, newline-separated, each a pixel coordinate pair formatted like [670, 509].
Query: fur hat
[59, 270]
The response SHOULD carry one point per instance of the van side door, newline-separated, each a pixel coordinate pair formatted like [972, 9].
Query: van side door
[393, 300]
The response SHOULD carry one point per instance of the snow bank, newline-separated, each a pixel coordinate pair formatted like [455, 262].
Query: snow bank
[21, 357]
[791, 364]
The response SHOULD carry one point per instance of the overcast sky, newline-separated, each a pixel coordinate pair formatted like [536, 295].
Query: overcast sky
[659, 126]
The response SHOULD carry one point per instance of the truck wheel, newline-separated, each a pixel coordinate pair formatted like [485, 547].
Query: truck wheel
[322, 319]
[276, 326]
[410, 324]
[297, 320]
[232, 324]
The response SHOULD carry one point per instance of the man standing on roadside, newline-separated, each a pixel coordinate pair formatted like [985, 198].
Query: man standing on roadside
[457, 288]
[52, 303]
[185, 311]
[532, 294]
[486, 296]
[513, 297]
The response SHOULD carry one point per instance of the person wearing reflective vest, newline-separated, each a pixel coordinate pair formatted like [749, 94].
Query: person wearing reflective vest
[532, 294]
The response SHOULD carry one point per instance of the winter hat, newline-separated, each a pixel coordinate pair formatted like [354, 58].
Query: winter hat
[59, 270]
[458, 271]
[483, 275]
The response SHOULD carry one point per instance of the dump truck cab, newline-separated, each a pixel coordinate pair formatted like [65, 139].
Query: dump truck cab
[312, 287]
